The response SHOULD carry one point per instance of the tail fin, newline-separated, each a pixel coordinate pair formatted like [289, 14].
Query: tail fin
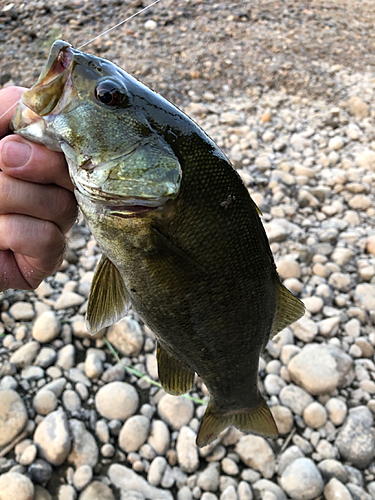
[258, 420]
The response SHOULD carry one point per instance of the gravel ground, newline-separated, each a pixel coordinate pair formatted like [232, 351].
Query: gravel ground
[287, 90]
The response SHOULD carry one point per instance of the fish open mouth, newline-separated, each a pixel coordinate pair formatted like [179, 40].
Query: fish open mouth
[128, 211]
[120, 206]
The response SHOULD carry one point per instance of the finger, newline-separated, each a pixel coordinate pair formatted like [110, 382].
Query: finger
[33, 162]
[49, 202]
[9, 97]
[38, 248]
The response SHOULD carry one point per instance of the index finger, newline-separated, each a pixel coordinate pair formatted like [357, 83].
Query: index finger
[9, 97]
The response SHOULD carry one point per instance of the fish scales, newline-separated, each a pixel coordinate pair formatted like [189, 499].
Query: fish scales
[182, 239]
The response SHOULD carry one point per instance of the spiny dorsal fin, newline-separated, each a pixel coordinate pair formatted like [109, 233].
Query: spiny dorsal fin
[175, 377]
[258, 420]
[288, 309]
[108, 300]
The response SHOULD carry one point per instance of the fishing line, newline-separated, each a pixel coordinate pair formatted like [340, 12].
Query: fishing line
[7, 111]
[119, 24]
[98, 36]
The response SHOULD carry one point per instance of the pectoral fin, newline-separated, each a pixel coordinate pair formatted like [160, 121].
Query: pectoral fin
[175, 377]
[109, 300]
[288, 309]
[258, 420]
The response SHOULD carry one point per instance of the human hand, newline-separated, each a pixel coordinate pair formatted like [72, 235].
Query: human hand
[37, 205]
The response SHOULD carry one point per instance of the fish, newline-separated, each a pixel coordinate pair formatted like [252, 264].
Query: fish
[181, 239]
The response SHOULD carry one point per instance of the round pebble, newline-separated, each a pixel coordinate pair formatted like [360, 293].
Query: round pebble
[46, 327]
[44, 402]
[177, 411]
[134, 433]
[117, 400]
[315, 415]
[14, 486]
[302, 480]
[13, 416]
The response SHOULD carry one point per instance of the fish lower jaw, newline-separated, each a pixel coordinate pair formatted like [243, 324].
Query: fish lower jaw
[112, 206]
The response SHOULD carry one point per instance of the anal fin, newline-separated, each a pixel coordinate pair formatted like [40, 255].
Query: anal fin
[258, 420]
[175, 377]
[109, 300]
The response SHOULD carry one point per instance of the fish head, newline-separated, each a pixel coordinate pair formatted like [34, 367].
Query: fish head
[89, 108]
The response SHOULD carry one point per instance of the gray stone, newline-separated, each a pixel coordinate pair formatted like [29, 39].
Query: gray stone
[46, 327]
[134, 433]
[357, 493]
[22, 311]
[40, 471]
[84, 448]
[255, 452]
[330, 468]
[126, 336]
[68, 299]
[29, 455]
[13, 416]
[56, 386]
[77, 376]
[283, 418]
[66, 492]
[97, 491]
[208, 479]
[262, 486]
[315, 415]
[93, 366]
[25, 355]
[15, 486]
[126, 479]
[355, 441]
[52, 438]
[319, 368]
[244, 491]
[295, 398]
[335, 490]
[159, 436]
[229, 493]
[187, 451]
[41, 493]
[302, 480]
[45, 402]
[82, 477]
[71, 400]
[177, 411]
[337, 410]
[358, 107]
[66, 357]
[287, 457]
[156, 471]
[305, 329]
[365, 294]
[46, 357]
[117, 400]
[32, 373]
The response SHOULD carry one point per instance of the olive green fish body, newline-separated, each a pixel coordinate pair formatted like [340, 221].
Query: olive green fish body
[182, 240]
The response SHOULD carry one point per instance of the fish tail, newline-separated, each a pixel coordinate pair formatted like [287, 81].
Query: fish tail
[258, 420]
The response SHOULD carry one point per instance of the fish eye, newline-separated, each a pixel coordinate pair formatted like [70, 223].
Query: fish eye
[109, 94]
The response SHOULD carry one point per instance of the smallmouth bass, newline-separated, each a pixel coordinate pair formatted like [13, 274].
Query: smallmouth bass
[182, 240]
